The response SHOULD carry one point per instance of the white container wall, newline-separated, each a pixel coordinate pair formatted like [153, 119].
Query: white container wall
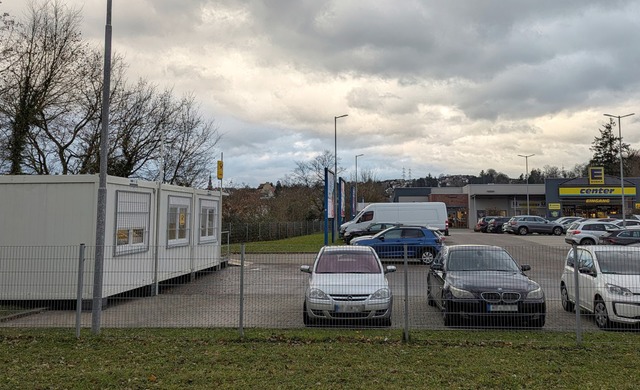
[153, 233]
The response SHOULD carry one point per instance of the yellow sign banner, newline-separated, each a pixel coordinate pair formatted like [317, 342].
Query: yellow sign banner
[554, 206]
[595, 200]
[595, 191]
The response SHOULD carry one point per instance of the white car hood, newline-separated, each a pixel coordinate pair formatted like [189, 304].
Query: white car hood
[348, 283]
[632, 282]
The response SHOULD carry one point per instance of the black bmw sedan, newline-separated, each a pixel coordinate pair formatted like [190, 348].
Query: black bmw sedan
[483, 282]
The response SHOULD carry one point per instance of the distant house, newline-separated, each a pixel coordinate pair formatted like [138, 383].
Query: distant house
[267, 190]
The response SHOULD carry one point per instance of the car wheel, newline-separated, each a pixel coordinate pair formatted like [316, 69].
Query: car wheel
[305, 316]
[601, 315]
[587, 241]
[523, 231]
[567, 305]
[557, 231]
[427, 256]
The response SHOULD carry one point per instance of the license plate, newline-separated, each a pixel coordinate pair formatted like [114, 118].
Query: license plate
[507, 308]
[349, 308]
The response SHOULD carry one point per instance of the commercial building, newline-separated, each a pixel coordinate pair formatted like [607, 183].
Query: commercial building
[595, 196]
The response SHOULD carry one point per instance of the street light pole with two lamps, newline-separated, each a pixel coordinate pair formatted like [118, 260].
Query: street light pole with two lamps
[526, 161]
[335, 177]
[624, 221]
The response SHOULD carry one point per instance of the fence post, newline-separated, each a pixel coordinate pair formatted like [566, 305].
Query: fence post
[405, 334]
[576, 286]
[241, 322]
[79, 291]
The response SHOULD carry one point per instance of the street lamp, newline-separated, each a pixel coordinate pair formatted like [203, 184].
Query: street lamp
[526, 162]
[624, 221]
[356, 191]
[335, 176]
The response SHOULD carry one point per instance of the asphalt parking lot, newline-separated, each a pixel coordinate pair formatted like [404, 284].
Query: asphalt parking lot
[274, 289]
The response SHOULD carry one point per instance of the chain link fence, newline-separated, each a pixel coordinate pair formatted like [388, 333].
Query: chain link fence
[40, 286]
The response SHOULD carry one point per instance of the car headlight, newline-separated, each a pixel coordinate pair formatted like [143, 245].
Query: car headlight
[536, 294]
[316, 293]
[617, 290]
[383, 293]
[460, 293]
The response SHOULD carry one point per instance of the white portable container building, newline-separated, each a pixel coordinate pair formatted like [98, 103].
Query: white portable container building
[153, 232]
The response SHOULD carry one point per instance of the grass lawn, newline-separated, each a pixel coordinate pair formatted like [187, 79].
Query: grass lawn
[314, 358]
[301, 244]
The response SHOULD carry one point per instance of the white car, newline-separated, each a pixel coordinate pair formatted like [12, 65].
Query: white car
[587, 232]
[348, 283]
[608, 280]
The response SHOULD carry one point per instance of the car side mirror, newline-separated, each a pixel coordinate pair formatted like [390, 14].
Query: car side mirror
[525, 267]
[305, 268]
[437, 266]
[390, 268]
[381, 238]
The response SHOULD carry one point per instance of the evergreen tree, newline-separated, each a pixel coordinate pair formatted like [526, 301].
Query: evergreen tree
[606, 150]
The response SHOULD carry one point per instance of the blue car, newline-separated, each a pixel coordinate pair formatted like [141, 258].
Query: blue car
[422, 242]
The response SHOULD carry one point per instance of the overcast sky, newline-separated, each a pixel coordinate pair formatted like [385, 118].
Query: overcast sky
[439, 87]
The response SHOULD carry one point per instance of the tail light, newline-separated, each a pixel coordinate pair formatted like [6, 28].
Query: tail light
[575, 231]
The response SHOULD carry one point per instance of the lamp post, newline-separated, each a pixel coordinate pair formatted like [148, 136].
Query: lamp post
[98, 267]
[356, 191]
[624, 221]
[335, 176]
[526, 162]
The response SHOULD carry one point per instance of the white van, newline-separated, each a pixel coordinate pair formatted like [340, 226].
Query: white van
[432, 214]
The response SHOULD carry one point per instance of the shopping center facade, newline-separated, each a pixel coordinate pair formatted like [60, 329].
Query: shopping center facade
[596, 196]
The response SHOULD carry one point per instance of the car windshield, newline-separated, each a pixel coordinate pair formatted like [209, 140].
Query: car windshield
[481, 259]
[623, 262]
[347, 263]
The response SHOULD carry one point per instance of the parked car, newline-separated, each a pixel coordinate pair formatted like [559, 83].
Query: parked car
[483, 281]
[421, 242]
[369, 230]
[567, 221]
[609, 280]
[495, 225]
[587, 232]
[626, 222]
[481, 225]
[630, 235]
[347, 283]
[525, 224]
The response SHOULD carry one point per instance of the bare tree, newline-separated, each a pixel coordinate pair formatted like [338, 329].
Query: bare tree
[311, 173]
[551, 172]
[45, 68]
[191, 142]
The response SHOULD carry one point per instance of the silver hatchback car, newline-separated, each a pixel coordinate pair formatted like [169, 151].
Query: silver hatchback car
[348, 283]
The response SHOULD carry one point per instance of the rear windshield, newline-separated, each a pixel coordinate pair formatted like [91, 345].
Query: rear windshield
[347, 263]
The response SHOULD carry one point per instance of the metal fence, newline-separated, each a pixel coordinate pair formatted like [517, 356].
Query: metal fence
[268, 231]
[39, 288]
